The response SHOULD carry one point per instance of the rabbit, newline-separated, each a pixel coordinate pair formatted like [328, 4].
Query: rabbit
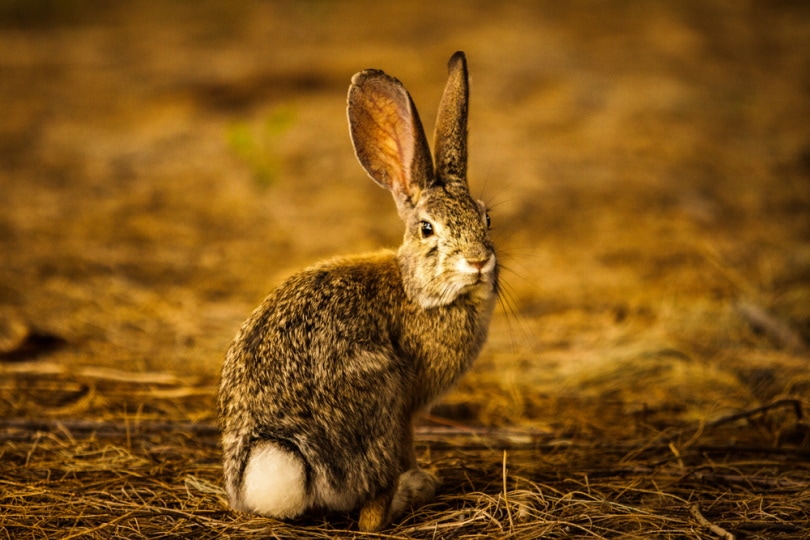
[321, 385]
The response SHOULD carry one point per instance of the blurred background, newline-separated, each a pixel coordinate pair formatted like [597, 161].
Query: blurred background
[164, 164]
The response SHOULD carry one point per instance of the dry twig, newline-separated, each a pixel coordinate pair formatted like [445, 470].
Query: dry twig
[716, 530]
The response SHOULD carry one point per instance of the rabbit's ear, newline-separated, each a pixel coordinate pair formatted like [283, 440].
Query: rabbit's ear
[450, 138]
[388, 137]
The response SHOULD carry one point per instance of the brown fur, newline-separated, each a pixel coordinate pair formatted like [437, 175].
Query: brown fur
[337, 361]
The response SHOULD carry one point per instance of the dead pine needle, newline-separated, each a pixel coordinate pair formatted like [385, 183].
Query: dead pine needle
[716, 530]
[778, 330]
[506, 496]
[788, 403]
[677, 455]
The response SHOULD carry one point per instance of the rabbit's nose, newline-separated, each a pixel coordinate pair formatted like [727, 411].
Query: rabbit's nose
[481, 263]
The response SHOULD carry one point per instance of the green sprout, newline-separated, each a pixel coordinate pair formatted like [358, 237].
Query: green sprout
[259, 147]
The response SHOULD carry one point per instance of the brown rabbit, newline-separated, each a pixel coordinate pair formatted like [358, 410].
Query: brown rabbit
[322, 383]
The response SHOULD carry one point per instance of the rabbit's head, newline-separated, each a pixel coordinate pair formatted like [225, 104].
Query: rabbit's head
[447, 251]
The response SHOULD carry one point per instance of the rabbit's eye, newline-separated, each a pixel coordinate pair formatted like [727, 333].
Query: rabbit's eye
[427, 229]
[489, 221]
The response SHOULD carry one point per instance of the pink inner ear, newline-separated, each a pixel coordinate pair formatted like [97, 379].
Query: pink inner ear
[395, 121]
[404, 148]
[382, 132]
[399, 145]
[406, 135]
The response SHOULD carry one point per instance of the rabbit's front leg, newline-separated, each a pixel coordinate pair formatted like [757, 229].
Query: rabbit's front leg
[416, 487]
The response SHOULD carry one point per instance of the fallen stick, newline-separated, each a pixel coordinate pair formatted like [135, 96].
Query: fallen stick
[795, 404]
[716, 530]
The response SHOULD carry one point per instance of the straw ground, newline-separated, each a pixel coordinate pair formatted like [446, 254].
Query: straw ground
[164, 164]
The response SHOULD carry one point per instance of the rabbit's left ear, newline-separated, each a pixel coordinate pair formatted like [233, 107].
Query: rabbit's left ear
[388, 136]
[450, 137]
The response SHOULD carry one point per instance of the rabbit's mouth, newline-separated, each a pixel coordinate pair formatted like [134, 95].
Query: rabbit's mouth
[458, 284]
[471, 281]
[481, 280]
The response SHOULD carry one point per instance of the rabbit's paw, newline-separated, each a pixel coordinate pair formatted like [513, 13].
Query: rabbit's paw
[376, 514]
[416, 487]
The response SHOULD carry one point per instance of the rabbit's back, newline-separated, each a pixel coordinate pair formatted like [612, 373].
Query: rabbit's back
[316, 369]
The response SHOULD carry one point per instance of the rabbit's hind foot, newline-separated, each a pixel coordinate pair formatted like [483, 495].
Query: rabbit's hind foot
[415, 488]
[376, 513]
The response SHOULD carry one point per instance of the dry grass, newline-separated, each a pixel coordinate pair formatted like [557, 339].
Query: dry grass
[155, 480]
[164, 164]
[140, 475]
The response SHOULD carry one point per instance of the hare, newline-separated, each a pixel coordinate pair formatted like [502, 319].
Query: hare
[321, 384]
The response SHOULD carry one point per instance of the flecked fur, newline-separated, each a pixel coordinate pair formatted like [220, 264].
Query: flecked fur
[330, 370]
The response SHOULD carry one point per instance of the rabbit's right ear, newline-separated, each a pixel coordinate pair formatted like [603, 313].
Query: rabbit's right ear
[388, 137]
[450, 138]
